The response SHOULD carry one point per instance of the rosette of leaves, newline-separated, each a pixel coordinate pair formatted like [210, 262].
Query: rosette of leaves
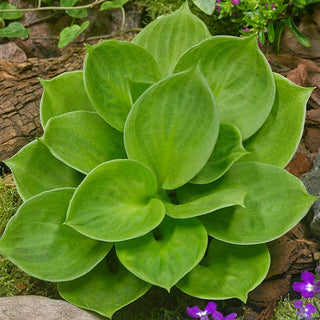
[161, 164]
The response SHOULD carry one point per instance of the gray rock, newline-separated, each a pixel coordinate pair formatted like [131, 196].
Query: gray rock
[41, 308]
[10, 51]
[311, 180]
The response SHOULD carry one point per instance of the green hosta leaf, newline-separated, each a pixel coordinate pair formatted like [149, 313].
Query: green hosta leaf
[36, 170]
[77, 13]
[107, 5]
[276, 201]
[137, 89]
[227, 271]
[207, 6]
[106, 289]
[116, 202]
[9, 15]
[165, 255]
[83, 140]
[168, 37]
[240, 78]
[70, 33]
[196, 200]
[13, 30]
[72, 96]
[276, 142]
[228, 149]
[107, 68]
[173, 128]
[38, 242]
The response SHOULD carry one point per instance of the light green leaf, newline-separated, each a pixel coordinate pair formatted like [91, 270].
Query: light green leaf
[276, 142]
[228, 149]
[239, 76]
[106, 289]
[77, 13]
[227, 271]
[70, 33]
[13, 30]
[173, 128]
[195, 200]
[207, 6]
[165, 255]
[9, 15]
[116, 202]
[276, 201]
[36, 170]
[168, 37]
[38, 242]
[83, 140]
[137, 89]
[107, 5]
[72, 95]
[107, 68]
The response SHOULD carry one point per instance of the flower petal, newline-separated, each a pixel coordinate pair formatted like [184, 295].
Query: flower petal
[299, 286]
[230, 316]
[194, 312]
[307, 294]
[307, 277]
[298, 304]
[310, 308]
[217, 316]
[211, 307]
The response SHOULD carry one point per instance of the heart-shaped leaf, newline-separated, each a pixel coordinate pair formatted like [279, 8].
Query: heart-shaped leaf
[164, 256]
[70, 33]
[115, 4]
[13, 30]
[107, 68]
[276, 142]
[233, 67]
[41, 245]
[9, 15]
[177, 116]
[106, 289]
[228, 149]
[90, 140]
[168, 37]
[276, 201]
[72, 96]
[36, 170]
[227, 271]
[116, 202]
[196, 200]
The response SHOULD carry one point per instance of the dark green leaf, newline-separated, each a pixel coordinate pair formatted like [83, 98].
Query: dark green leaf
[297, 33]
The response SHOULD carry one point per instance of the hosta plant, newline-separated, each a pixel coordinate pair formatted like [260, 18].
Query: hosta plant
[161, 163]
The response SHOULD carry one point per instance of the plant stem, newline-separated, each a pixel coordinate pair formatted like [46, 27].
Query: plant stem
[123, 19]
[87, 6]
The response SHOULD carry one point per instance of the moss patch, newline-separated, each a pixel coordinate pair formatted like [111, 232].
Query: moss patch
[13, 281]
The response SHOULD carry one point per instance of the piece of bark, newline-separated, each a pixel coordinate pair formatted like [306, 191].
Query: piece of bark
[20, 97]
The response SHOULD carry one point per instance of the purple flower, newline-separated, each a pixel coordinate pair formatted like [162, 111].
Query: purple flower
[219, 316]
[304, 312]
[307, 288]
[195, 312]
[246, 29]
[217, 7]
[235, 1]
[272, 6]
